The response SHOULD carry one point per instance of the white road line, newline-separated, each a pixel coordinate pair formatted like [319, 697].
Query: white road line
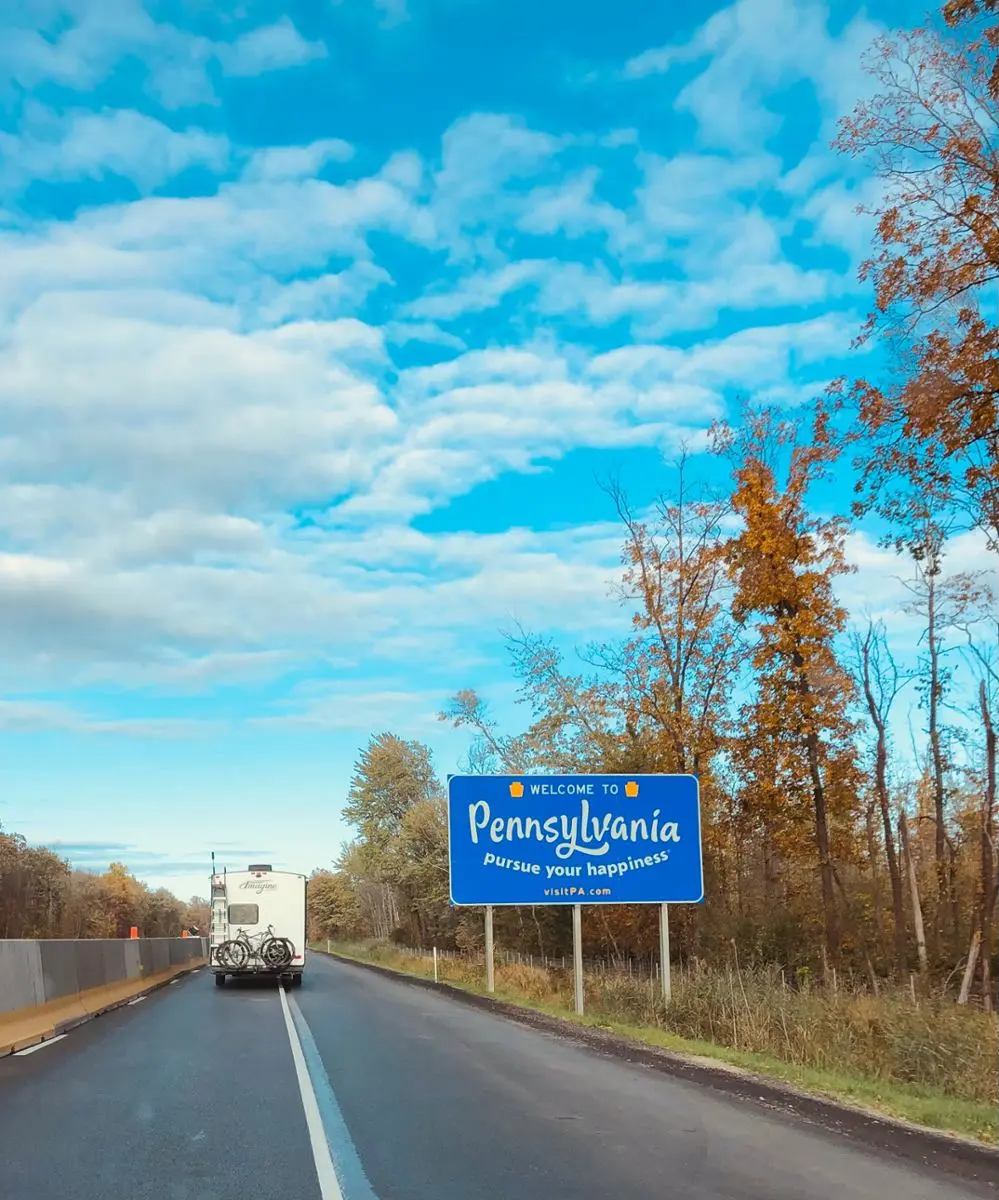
[39, 1045]
[137, 1000]
[329, 1185]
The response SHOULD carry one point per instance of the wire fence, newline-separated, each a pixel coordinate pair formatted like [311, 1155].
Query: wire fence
[645, 969]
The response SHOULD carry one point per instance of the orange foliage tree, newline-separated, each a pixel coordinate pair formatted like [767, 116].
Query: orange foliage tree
[42, 897]
[784, 563]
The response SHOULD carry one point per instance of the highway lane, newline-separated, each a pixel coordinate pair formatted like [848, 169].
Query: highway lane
[176, 1098]
[452, 1102]
[193, 1095]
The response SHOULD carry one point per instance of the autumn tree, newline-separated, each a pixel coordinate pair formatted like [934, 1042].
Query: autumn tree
[881, 681]
[197, 915]
[673, 677]
[333, 909]
[364, 869]
[42, 897]
[931, 134]
[119, 903]
[391, 776]
[784, 563]
[420, 864]
[396, 868]
[981, 628]
[942, 602]
[491, 751]
[159, 913]
[963, 14]
[679, 662]
[655, 700]
[34, 889]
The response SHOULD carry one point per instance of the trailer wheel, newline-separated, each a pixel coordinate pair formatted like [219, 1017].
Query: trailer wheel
[297, 979]
[220, 981]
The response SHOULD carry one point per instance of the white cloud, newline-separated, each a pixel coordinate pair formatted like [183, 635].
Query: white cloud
[695, 242]
[401, 333]
[95, 612]
[483, 151]
[359, 707]
[225, 418]
[752, 49]
[77, 44]
[296, 162]
[222, 246]
[325, 296]
[482, 155]
[73, 43]
[571, 207]
[184, 375]
[39, 716]
[741, 278]
[479, 291]
[656, 61]
[699, 194]
[572, 290]
[486, 412]
[82, 144]
[832, 212]
[268, 48]
[877, 591]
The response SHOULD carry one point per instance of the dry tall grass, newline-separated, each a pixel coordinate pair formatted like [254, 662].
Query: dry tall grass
[927, 1043]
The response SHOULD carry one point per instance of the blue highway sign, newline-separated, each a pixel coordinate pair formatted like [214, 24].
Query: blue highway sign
[574, 839]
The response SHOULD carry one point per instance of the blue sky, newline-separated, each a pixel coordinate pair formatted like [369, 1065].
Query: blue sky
[319, 321]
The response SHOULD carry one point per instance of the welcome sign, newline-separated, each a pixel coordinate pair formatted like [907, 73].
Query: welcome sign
[574, 839]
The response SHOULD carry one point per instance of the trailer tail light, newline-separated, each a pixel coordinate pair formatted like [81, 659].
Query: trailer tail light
[297, 958]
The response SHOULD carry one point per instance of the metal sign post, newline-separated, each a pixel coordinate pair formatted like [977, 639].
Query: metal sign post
[490, 962]
[664, 967]
[577, 956]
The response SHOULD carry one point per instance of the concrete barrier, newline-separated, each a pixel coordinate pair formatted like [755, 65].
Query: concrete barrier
[48, 987]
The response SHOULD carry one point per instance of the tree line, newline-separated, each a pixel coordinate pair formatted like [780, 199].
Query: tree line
[41, 896]
[827, 845]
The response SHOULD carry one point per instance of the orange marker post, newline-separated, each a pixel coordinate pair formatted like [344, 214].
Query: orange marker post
[135, 932]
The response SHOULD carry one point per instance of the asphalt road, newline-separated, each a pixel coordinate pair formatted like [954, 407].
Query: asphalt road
[199, 1093]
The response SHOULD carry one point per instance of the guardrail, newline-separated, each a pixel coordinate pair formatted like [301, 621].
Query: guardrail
[49, 986]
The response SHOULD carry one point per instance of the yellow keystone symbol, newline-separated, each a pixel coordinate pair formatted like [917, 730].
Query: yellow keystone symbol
[516, 790]
[631, 788]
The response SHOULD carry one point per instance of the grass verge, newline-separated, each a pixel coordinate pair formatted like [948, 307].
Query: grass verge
[808, 1041]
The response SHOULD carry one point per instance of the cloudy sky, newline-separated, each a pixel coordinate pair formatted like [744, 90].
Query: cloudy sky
[318, 321]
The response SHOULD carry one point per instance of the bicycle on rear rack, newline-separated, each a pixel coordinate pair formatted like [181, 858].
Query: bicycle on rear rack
[274, 953]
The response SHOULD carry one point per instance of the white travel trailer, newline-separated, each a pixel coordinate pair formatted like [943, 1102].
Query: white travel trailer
[258, 924]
